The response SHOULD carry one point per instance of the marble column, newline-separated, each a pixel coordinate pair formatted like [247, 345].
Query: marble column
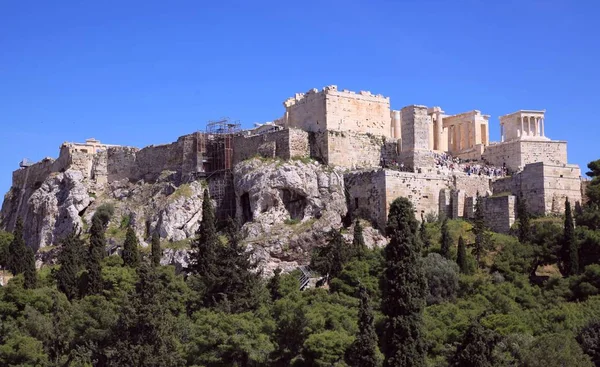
[543, 120]
[521, 132]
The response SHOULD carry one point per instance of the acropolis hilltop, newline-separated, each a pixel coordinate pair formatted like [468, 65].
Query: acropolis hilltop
[439, 161]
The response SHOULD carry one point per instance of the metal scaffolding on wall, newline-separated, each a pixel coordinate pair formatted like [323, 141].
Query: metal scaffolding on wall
[218, 141]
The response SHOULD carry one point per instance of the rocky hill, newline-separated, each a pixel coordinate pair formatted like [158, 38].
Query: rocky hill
[286, 208]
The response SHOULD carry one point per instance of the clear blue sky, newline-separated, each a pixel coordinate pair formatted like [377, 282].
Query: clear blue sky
[145, 72]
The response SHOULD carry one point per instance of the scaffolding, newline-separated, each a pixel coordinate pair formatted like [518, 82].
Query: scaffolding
[217, 148]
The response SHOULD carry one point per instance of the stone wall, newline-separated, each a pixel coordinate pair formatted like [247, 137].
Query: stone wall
[284, 144]
[499, 212]
[359, 112]
[366, 196]
[544, 186]
[335, 110]
[353, 150]
[517, 154]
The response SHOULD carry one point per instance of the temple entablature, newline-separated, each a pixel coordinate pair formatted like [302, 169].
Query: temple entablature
[91, 146]
[523, 125]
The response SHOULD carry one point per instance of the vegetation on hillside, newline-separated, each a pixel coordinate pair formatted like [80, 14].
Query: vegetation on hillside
[446, 293]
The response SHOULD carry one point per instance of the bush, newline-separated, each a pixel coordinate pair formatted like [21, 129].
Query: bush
[442, 278]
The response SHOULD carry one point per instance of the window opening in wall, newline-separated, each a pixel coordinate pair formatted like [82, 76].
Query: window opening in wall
[356, 202]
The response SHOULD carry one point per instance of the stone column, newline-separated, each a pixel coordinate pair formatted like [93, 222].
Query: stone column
[396, 124]
[543, 119]
[502, 132]
[528, 125]
[521, 132]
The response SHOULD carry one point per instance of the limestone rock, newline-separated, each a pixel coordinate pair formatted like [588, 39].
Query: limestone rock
[288, 208]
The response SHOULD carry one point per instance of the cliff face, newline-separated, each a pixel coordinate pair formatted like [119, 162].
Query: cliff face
[286, 207]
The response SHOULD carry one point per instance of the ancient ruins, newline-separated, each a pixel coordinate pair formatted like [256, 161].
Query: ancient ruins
[439, 161]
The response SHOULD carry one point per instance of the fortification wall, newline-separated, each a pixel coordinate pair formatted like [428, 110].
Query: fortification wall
[423, 190]
[354, 150]
[121, 164]
[472, 184]
[284, 144]
[499, 212]
[366, 195]
[359, 112]
[517, 154]
[306, 111]
[544, 186]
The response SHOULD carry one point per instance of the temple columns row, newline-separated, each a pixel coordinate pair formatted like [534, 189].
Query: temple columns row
[535, 126]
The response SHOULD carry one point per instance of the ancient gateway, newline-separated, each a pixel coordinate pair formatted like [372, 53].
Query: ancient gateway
[439, 161]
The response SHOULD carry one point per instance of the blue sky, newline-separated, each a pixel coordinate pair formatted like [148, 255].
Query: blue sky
[145, 72]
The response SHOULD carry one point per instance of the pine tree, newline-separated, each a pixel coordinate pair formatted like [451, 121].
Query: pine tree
[30, 272]
[144, 334]
[205, 246]
[482, 241]
[363, 351]
[92, 283]
[523, 219]
[69, 257]
[156, 251]
[131, 256]
[403, 290]
[446, 240]
[476, 348]
[589, 339]
[275, 284]
[17, 251]
[570, 251]
[461, 258]
[358, 241]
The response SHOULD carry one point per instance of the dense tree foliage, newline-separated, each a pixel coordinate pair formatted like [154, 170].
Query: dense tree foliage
[446, 240]
[570, 252]
[329, 260]
[403, 289]
[516, 309]
[358, 241]
[523, 219]
[16, 261]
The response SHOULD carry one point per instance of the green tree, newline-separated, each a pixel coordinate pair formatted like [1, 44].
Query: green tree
[589, 340]
[423, 233]
[17, 250]
[482, 239]
[364, 352]
[476, 348]
[69, 259]
[523, 219]
[205, 247]
[131, 256]
[156, 251]
[442, 278]
[91, 282]
[403, 289]
[275, 284]
[555, 350]
[145, 333]
[569, 253]
[358, 241]
[5, 240]
[30, 273]
[446, 242]
[461, 257]
[329, 260]
[593, 189]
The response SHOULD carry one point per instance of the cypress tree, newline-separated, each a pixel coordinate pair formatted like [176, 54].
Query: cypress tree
[275, 284]
[93, 277]
[570, 251]
[479, 228]
[461, 258]
[156, 251]
[423, 233]
[403, 289]
[144, 334]
[206, 245]
[363, 351]
[330, 259]
[17, 251]
[524, 233]
[358, 241]
[30, 271]
[446, 240]
[70, 264]
[131, 256]
[476, 348]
